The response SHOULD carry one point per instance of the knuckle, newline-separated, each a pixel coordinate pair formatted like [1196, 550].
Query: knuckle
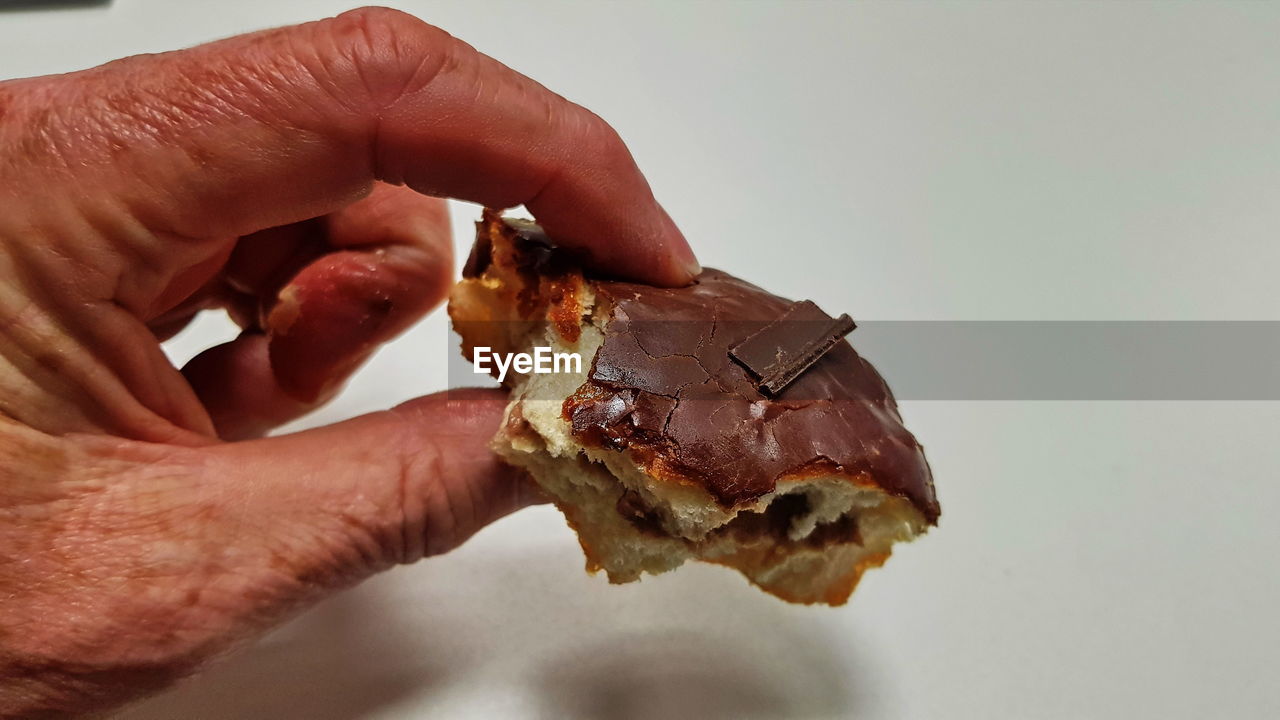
[418, 465]
[391, 52]
[434, 511]
[425, 511]
[374, 19]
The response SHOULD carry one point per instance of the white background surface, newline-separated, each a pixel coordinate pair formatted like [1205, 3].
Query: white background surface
[898, 161]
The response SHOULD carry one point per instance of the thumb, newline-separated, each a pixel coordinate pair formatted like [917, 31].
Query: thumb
[391, 487]
[124, 565]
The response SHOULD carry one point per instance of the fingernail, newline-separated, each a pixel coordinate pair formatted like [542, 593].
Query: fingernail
[692, 266]
[680, 248]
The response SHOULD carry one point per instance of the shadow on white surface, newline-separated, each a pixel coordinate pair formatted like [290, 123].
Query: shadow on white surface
[687, 675]
[522, 633]
[334, 663]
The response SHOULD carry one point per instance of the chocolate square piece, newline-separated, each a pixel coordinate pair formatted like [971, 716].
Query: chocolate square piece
[779, 352]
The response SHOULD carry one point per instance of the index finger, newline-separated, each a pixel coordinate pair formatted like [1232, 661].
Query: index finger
[232, 137]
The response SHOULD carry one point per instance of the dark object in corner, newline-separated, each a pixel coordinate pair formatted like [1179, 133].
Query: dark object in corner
[49, 4]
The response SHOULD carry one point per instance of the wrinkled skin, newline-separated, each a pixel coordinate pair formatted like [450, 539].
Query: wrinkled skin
[290, 177]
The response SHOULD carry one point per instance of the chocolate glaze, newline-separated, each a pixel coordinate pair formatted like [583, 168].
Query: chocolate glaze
[664, 385]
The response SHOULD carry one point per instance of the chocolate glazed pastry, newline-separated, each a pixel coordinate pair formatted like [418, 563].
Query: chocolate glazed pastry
[716, 421]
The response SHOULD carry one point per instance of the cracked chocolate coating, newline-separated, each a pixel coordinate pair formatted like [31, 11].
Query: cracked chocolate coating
[663, 383]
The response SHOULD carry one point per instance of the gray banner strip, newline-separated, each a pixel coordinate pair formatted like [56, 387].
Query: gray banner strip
[1075, 360]
[1059, 360]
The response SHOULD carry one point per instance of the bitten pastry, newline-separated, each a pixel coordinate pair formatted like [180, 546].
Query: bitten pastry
[715, 422]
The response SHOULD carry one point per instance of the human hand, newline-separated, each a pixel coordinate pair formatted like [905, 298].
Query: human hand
[287, 176]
